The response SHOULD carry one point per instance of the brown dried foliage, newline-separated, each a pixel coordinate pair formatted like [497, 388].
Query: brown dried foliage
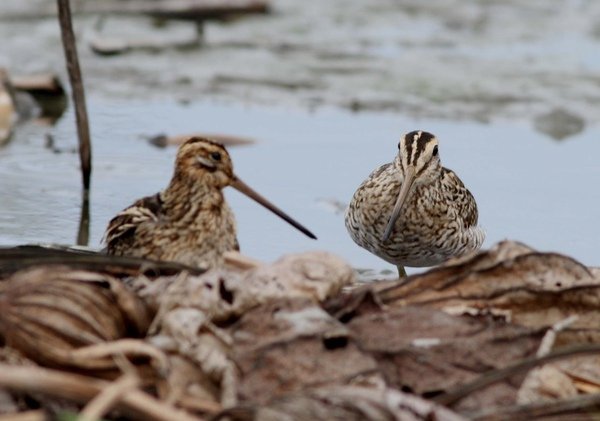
[49, 312]
[484, 335]
[512, 281]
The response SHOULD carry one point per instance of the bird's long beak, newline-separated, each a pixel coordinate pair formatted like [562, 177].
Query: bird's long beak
[242, 187]
[409, 177]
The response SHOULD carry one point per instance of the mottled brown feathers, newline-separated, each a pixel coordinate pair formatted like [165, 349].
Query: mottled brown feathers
[122, 227]
[437, 218]
[189, 222]
[463, 199]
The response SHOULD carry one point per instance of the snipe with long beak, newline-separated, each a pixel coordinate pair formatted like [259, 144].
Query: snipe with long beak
[413, 211]
[189, 222]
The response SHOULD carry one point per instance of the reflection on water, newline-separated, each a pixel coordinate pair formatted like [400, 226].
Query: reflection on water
[528, 187]
[83, 232]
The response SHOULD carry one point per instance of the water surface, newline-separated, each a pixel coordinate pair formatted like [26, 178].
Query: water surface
[477, 74]
[528, 187]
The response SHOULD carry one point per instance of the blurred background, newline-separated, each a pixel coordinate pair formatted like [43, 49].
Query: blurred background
[311, 97]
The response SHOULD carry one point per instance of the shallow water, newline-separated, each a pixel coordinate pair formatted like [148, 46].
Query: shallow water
[452, 59]
[439, 65]
[528, 187]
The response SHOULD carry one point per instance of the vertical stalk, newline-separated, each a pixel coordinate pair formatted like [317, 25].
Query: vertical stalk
[83, 130]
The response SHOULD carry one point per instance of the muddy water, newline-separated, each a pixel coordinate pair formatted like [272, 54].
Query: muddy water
[528, 187]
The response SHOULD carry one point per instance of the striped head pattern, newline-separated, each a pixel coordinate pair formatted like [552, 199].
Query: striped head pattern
[419, 162]
[204, 159]
[418, 153]
[206, 162]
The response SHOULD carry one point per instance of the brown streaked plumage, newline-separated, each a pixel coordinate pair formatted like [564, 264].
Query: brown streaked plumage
[189, 222]
[413, 211]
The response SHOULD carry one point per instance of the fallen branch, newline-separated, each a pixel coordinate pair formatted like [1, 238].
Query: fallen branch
[14, 259]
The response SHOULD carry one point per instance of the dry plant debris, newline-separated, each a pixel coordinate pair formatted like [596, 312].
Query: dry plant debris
[51, 314]
[348, 403]
[508, 333]
[512, 281]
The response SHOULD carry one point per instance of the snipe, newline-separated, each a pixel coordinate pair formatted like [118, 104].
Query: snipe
[413, 211]
[189, 222]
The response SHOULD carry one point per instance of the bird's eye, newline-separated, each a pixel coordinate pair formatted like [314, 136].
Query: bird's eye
[398, 146]
[216, 156]
[435, 151]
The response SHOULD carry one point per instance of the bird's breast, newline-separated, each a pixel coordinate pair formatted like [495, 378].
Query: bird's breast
[430, 228]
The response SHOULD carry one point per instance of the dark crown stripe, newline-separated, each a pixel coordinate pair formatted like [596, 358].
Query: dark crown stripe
[408, 141]
[420, 143]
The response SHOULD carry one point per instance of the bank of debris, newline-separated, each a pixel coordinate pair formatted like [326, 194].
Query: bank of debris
[508, 332]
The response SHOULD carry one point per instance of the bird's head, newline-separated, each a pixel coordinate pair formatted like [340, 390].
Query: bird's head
[418, 158]
[201, 160]
[418, 162]
[204, 160]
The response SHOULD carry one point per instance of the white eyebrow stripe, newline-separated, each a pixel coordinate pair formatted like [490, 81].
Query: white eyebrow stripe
[206, 162]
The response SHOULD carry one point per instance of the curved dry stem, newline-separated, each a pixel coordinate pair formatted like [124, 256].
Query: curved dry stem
[108, 398]
[81, 389]
[585, 404]
[193, 403]
[455, 394]
[127, 347]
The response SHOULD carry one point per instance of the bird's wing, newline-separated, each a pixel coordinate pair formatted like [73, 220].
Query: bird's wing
[123, 226]
[462, 198]
[377, 172]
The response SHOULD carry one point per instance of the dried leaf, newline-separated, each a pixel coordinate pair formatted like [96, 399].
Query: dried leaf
[431, 351]
[526, 287]
[187, 332]
[346, 403]
[188, 307]
[544, 384]
[187, 385]
[49, 312]
[290, 345]
[223, 295]
[562, 379]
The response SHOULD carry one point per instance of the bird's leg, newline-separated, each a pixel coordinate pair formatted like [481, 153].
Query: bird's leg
[401, 272]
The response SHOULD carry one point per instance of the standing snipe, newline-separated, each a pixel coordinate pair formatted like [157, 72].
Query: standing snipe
[189, 222]
[413, 211]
